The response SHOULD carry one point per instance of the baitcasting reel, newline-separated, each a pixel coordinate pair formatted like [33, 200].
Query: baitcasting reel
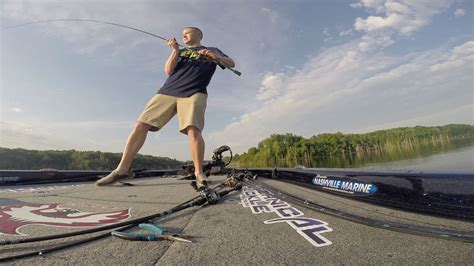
[211, 196]
[214, 166]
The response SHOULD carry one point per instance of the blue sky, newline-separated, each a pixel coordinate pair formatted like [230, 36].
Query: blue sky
[308, 67]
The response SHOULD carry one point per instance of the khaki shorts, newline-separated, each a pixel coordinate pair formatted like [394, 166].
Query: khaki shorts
[161, 108]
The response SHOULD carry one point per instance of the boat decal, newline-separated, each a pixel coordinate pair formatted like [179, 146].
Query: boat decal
[16, 214]
[344, 185]
[263, 201]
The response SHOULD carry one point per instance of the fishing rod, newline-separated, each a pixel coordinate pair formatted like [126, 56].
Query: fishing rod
[238, 73]
[197, 201]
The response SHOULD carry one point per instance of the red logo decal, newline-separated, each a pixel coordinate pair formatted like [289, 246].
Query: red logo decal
[15, 214]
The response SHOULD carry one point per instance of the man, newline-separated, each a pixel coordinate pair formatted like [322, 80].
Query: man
[184, 93]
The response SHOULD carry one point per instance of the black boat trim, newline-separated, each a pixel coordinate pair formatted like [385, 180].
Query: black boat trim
[441, 194]
[44, 176]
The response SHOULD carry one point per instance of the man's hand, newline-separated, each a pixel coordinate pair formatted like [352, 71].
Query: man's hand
[171, 42]
[225, 61]
[210, 54]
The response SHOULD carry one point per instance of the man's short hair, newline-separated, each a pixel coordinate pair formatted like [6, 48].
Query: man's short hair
[196, 29]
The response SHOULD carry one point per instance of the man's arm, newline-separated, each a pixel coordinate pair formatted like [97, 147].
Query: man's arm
[173, 58]
[225, 61]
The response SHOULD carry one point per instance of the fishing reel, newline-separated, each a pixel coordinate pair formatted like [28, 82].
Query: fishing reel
[235, 177]
[215, 166]
[211, 196]
[217, 157]
[244, 175]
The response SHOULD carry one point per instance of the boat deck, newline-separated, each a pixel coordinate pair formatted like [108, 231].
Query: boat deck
[243, 228]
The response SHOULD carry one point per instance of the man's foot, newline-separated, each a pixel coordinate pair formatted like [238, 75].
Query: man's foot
[201, 180]
[114, 177]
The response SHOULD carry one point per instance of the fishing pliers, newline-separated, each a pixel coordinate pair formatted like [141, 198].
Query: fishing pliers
[163, 234]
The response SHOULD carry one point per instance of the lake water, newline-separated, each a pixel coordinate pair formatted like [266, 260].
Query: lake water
[458, 160]
[452, 157]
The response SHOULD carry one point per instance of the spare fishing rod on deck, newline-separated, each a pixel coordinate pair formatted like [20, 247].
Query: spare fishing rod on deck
[197, 201]
[238, 73]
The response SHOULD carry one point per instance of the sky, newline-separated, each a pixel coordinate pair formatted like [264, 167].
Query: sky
[309, 67]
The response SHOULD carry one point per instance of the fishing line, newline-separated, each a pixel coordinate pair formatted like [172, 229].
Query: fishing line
[238, 73]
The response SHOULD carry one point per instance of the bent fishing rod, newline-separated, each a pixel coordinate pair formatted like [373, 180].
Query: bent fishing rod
[238, 73]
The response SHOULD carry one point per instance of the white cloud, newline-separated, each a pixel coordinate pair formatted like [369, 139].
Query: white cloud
[16, 109]
[271, 14]
[86, 135]
[397, 17]
[459, 12]
[356, 5]
[346, 32]
[102, 125]
[327, 35]
[15, 134]
[370, 42]
[460, 115]
[164, 18]
[88, 37]
[458, 58]
[373, 23]
[404, 17]
[272, 85]
[377, 5]
[341, 90]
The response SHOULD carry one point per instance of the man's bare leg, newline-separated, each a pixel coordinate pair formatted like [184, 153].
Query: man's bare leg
[135, 141]
[197, 147]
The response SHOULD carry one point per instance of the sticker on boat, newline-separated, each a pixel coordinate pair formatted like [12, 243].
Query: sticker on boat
[263, 201]
[16, 214]
[344, 185]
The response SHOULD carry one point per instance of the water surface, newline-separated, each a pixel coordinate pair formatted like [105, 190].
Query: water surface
[458, 160]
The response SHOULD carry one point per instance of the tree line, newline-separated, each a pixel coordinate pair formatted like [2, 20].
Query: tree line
[289, 150]
[22, 159]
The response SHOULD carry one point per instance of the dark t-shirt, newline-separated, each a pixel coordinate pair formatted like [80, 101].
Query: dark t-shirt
[191, 74]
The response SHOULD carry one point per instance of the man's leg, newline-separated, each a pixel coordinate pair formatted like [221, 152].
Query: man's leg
[135, 141]
[197, 146]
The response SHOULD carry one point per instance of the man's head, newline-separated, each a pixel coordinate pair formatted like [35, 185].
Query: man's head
[192, 36]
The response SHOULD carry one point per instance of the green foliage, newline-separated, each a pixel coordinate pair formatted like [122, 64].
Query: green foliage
[21, 159]
[290, 150]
